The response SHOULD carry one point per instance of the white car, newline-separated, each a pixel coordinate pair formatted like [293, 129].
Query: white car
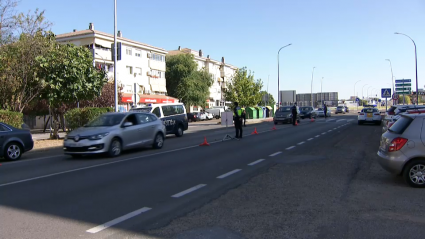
[201, 116]
[209, 116]
[369, 115]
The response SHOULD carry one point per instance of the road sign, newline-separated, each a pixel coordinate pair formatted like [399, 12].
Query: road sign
[357, 99]
[395, 96]
[403, 81]
[385, 92]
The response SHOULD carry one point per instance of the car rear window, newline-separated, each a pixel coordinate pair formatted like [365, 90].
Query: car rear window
[284, 109]
[305, 108]
[369, 110]
[400, 125]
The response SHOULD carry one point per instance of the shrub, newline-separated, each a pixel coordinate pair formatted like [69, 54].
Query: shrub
[12, 118]
[79, 117]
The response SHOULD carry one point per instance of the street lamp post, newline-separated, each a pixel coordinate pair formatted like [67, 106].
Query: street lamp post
[321, 92]
[392, 76]
[416, 66]
[115, 56]
[278, 75]
[355, 90]
[312, 87]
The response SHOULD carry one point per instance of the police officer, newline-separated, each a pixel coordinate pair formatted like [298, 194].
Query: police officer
[325, 110]
[294, 114]
[237, 111]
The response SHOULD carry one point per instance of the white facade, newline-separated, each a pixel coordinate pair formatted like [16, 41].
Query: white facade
[220, 72]
[141, 66]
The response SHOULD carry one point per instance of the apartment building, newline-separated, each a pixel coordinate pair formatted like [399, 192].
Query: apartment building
[141, 69]
[220, 71]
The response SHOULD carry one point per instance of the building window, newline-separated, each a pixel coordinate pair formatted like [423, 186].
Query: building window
[158, 57]
[129, 69]
[128, 51]
[139, 70]
[129, 88]
[138, 53]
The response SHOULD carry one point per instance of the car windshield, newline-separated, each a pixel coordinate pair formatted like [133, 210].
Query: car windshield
[106, 120]
[284, 109]
[305, 108]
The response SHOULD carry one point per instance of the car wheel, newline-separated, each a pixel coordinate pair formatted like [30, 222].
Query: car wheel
[179, 132]
[115, 148]
[13, 151]
[414, 173]
[159, 141]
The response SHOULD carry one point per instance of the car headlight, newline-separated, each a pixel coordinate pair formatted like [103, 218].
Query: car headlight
[98, 136]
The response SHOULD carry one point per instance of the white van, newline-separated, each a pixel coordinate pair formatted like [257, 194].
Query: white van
[173, 115]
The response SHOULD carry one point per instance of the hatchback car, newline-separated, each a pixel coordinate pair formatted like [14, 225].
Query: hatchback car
[112, 133]
[369, 115]
[340, 109]
[307, 112]
[320, 112]
[14, 142]
[284, 115]
[402, 149]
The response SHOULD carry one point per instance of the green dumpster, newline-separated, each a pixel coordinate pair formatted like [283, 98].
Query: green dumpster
[251, 113]
[259, 112]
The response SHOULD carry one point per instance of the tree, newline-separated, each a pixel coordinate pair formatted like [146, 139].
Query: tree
[266, 98]
[106, 97]
[244, 89]
[70, 76]
[185, 82]
[7, 20]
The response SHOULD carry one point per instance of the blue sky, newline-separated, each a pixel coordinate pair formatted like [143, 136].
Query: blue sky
[345, 40]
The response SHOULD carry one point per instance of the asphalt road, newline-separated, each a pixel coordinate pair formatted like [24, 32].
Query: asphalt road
[55, 196]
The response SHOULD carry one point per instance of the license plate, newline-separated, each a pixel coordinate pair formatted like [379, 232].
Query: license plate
[74, 144]
[369, 115]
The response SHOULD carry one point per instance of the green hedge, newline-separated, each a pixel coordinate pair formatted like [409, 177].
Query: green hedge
[79, 117]
[14, 119]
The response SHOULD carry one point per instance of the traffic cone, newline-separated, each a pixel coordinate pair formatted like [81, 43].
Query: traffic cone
[205, 143]
[312, 120]
[255, 131]
[296, 122]
[274, 127]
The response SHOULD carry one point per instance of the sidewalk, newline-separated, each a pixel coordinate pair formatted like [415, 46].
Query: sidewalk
[37, 134]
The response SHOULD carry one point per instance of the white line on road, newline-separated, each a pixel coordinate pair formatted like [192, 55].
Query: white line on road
[118, 220]
[274, 154]
[349, 120]
[324, 133]
[334, 128]
[317, 136]
[255, 162]
[290, 147]
[310, 139]
[340, 120]
[329, 130]
[229, 173]
[301, 143]
[182, 193]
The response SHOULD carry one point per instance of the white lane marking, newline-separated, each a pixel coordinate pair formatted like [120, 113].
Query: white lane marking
[310, 139]
[329, 130]
[189, 190]
[340, 120]
[301, 143]
[93, 166]
[118, 220]
[324, 133]
[290, 147]
[334, 128]
[229, 173]
[317, 136]
[274, 154]
[349, 120]
[255, 162]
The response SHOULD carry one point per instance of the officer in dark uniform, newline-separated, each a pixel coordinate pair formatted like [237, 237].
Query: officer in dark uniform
[294, 114]
[325, 110]
[237, 111]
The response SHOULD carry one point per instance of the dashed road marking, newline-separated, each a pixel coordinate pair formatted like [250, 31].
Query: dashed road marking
[189, 190]
[255, 162]
[301, 143]
[229, 173]
[317, 136]
[274, 154]
[310, 139]
[290, 147]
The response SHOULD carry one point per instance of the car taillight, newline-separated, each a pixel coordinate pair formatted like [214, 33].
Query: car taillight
[390, 113]
[397, 144]
[361, 114]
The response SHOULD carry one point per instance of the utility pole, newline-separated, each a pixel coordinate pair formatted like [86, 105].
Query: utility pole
[115, 56]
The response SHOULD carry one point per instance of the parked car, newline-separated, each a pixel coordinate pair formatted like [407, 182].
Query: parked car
[111, 133]
[320, 112]
[208, 115]
[402, 148]
[192, 117]
[369, 115]
[284, 115]
[340, 109]
[173, 115]
[216, 112]
[14, 142]
[201, 116]
[394, 112]
[307, 112]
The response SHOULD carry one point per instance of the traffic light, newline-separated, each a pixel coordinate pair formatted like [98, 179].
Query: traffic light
[119, 47]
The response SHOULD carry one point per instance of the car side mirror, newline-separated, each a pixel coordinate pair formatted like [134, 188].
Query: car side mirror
[127, 124]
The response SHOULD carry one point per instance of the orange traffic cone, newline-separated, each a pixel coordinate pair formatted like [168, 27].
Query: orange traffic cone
[255, 131]
[274, 127]
[312, 120]
[205, 143]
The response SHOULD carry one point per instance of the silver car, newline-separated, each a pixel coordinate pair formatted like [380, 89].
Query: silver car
[111, 133]
[402, 148]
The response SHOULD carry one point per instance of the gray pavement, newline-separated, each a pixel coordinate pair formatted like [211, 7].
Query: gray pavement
[310, 181]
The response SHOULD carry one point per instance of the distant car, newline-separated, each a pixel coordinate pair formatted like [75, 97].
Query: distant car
[402, 148]
[284, 115]
[201, 116]
[209, 115]
[369, 115]
[14, 142]
[340, 109]
[111, 133]
[307, 112]
[191, 117]
[320, 112]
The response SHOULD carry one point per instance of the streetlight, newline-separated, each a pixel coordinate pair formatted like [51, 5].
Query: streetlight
[355, 88]
[416, 65]
[392, 76]
[312, 87]
[115, 56]
[278, 80]
[321, 92]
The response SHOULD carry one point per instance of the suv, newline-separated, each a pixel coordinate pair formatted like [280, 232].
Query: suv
[340, 109]
[173, 116]
[307, 112]
[284, 115]
[402, 148]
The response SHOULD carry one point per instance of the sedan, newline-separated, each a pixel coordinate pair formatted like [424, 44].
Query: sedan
[369, 115]
[111, 133]
[320, 112]
[14, 142]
